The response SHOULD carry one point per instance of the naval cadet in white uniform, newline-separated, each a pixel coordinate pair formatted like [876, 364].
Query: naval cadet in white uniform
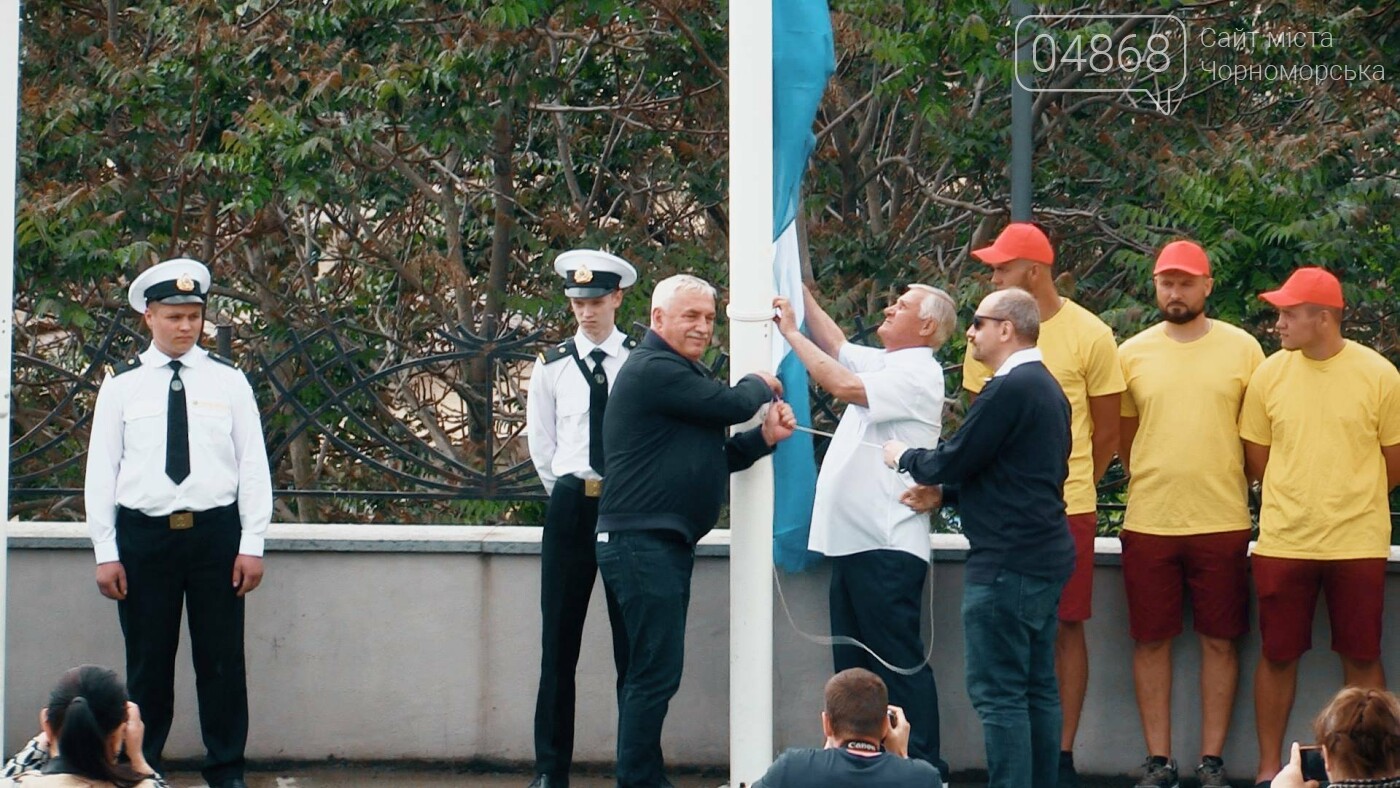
[178, 501]
[564, 426]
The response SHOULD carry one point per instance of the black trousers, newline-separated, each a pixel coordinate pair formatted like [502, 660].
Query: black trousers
[567, 572]
[167, 570]
[876, 598]
[649, 571]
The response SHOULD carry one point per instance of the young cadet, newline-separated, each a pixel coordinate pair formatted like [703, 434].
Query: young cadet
[568, 396]
[178, 501]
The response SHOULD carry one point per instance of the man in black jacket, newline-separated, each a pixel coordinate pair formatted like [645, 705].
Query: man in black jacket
[668, 464]
[1004, 469]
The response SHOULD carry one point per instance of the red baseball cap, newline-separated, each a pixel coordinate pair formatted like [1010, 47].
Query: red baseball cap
[1307, 286]
[1185, 256]
[1019, 241]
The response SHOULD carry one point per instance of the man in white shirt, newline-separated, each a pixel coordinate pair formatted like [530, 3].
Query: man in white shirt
[178, 500]
[879, 547]
[568, 395]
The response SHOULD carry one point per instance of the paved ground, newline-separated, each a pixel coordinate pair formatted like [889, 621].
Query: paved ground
[375, 777]
[365, 777]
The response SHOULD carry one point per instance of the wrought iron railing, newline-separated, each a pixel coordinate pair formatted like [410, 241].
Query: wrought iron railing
[351, 416]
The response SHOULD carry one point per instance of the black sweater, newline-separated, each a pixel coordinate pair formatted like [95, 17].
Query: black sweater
[1004, 470]
[667, 458]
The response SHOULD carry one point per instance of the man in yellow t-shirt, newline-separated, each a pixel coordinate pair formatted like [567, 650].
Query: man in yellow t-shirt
[1080, 352]
[1187, 524]
[1321, 430]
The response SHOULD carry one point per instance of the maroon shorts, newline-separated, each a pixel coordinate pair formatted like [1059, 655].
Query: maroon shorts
[1287, 589]
[1158, 569]
[1077, 598]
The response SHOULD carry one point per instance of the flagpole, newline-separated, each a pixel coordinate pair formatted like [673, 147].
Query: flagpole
[750, 349]
[9, 162]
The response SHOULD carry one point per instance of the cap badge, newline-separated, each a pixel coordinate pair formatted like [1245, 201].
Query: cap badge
[583, 276]
[185, 283]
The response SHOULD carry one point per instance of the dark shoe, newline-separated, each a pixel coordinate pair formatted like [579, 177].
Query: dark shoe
[1159, 775]
[1069, 778]
[545, 781]
[233, 782]
[1211, 773]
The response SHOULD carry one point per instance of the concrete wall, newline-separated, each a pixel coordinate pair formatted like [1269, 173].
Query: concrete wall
[420, 642]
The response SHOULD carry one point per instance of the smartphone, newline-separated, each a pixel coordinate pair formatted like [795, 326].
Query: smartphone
[1313, 767]
[894, 718]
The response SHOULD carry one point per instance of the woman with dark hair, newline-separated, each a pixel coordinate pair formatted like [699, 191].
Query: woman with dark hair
[1359, 734]
[87, 723]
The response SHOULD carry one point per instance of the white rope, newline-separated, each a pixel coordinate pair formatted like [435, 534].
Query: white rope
[842, 640]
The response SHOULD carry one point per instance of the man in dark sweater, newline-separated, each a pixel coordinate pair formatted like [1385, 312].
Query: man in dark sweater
[1004, 469]
[867, 743]
[668, 464]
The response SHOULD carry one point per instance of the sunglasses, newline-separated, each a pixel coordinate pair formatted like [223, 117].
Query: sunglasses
[977, 320]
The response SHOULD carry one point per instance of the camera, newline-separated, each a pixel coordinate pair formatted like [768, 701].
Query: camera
[1313, 766]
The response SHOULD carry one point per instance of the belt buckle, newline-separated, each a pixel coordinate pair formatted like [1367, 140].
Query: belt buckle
[181, 521]
[593, 488]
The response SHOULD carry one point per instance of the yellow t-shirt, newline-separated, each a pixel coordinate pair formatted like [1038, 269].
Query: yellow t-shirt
[1080, 352]
[1325, 491]
[1187, 459]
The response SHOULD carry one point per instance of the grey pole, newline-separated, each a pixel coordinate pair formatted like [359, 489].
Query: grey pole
[223, 340]
[1022, 125]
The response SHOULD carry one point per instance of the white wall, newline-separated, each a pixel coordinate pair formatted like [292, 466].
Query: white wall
[421, 642]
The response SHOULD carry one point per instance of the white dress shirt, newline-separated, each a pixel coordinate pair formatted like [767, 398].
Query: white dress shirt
[857, 506]
[556, 412]
[126, 455]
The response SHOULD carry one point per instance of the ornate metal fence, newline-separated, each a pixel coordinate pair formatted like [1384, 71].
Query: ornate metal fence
[347, 416]
[358, 427]
[355, 428]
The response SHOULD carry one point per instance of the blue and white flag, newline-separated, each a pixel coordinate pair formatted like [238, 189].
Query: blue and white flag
[804, 58]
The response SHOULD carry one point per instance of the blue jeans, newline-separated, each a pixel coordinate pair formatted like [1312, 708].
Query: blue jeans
[649, 574]
[1009, 629]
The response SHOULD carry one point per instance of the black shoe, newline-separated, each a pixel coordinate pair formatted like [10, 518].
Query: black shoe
[545, 781]
[232, 782]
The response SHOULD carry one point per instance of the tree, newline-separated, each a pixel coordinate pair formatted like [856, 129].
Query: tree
[369, 179]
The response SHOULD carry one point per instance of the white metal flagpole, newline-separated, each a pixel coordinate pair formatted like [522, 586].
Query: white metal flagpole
[750, 348]
[9, 154]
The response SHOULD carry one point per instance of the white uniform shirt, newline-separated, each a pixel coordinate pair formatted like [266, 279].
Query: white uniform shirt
[556, 413]
[126, 455]
[857, 504]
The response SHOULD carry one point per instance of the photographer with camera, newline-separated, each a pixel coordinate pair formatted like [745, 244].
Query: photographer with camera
[1358, 737]
[867, 743]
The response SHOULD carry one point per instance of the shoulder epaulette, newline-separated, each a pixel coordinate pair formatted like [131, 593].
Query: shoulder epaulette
[225, 361]
[124, 367]
[562, 350]
[629, 343]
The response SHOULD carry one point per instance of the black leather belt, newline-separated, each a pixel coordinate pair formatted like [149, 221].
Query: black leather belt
[178, 521]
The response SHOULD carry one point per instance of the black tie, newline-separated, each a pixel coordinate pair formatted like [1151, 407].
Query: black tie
[597, 403]
[177, 430]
